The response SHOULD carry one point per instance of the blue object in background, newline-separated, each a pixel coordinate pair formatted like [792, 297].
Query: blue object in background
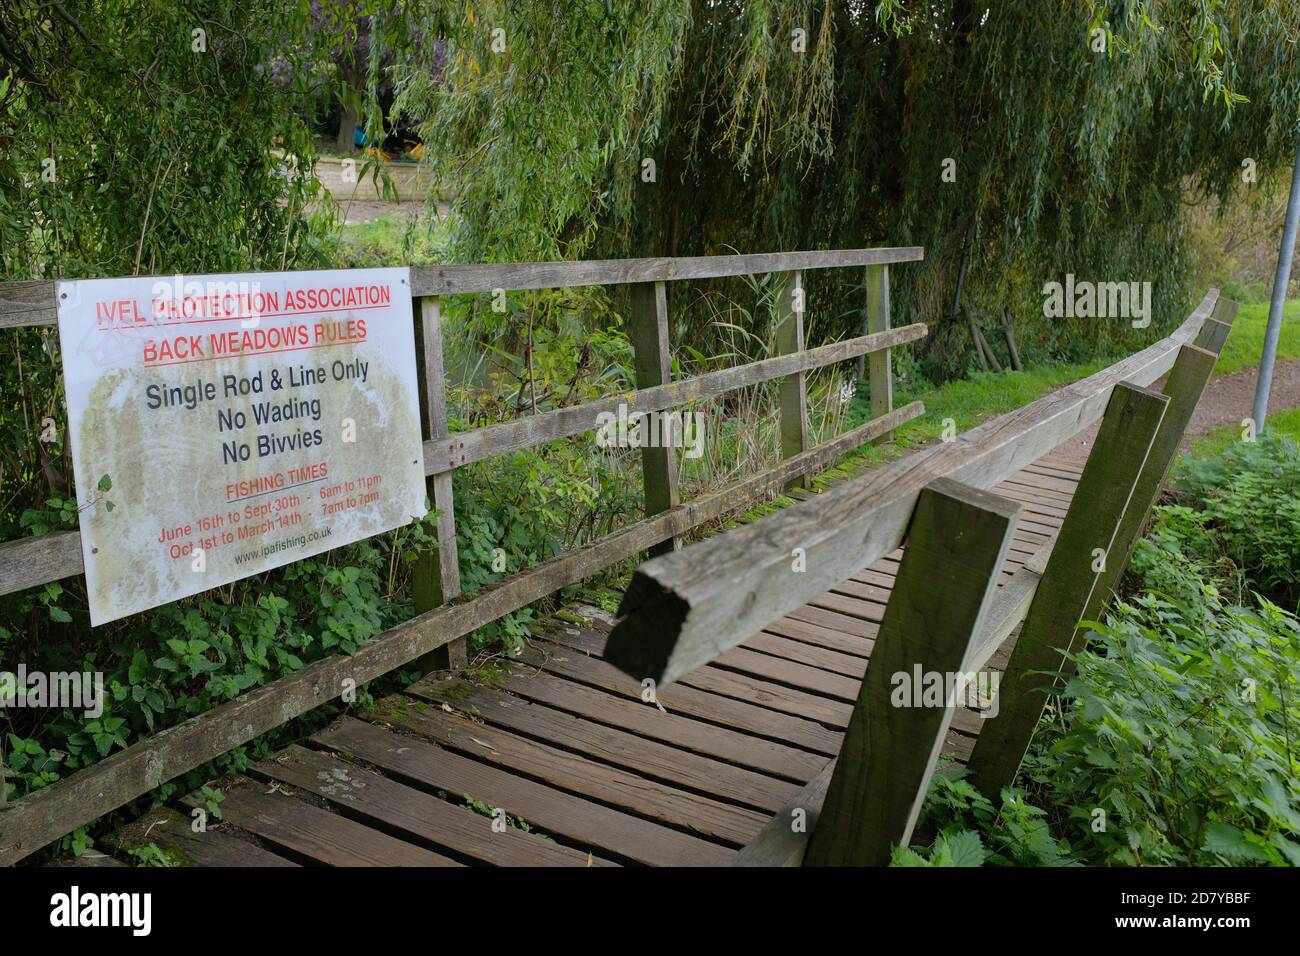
[359, 137]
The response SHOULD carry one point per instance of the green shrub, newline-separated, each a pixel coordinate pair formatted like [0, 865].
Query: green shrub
[1244, 516]
[1176, 746]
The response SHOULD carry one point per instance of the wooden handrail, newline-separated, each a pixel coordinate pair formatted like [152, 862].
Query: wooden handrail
[33, 302]
[682, 610]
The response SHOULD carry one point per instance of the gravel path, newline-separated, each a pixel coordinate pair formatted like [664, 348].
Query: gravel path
[1227, 400]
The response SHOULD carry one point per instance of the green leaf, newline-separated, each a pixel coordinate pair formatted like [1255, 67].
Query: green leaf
[966, 849]
[1227, 840]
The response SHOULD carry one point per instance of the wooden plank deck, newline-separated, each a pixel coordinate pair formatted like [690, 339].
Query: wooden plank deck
[587, 772]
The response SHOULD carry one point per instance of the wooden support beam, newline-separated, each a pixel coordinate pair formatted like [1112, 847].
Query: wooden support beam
[1225, 310]
[681, 610]
[436, 576]
[784, 840]
[957, 542]
[648, 325]
[1068, 591]
[793, 390]
[1183, 387]
[1214, 333]
[880, 367]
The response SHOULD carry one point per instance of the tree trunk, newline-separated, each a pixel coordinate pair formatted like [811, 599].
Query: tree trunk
[346, 141]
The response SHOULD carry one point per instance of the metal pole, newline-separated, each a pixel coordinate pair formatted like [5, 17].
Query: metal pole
[1274, 330]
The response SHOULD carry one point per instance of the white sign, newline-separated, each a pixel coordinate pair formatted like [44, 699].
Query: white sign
[225, 425]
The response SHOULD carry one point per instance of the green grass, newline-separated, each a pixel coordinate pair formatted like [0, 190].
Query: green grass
[392, 242]
[1246, 343]
[971, 401]
[967, 402]
[1285, 423]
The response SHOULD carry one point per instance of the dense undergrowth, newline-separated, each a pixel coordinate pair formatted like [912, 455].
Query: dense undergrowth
[1177, 740]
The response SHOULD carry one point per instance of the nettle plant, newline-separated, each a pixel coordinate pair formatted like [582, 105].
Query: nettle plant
[1178, 727]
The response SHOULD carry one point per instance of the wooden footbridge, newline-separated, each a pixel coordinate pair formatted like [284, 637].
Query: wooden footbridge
[743, 705]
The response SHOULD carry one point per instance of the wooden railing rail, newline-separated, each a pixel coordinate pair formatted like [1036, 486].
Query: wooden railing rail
[435, 636]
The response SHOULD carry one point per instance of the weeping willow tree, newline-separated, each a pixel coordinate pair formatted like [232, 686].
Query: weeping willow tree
[1039, 136]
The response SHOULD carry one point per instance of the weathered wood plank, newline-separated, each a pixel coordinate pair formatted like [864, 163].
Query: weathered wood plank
[563, 815]
[957, 542]
[788, 701]
[29, 562]
[463, 448]
[1068, 590]
[301, 829]
[814, 635]
[374, 800]
[646, 720]
[28, 303]
[652, 359]
[789, 673]
[784, 840]
[644, 757]
[792, 400]
[682, 610]
[810, 655]
[880, 369]
[580, 665]
[216, 846]
[1184, 387]
[436, 576]
[546, 275]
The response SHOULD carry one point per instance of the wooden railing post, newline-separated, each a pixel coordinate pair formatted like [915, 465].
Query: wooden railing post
[957, 541]
[1184, 386]
[652, 355]
[1069, 590]
[437, 574]
[793, 390]
[1215, 329]
[880, 366]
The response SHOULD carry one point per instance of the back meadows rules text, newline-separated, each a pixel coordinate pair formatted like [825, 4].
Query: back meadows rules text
[242, 422]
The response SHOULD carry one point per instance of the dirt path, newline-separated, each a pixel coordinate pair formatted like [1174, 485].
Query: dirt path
[1226, 401]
